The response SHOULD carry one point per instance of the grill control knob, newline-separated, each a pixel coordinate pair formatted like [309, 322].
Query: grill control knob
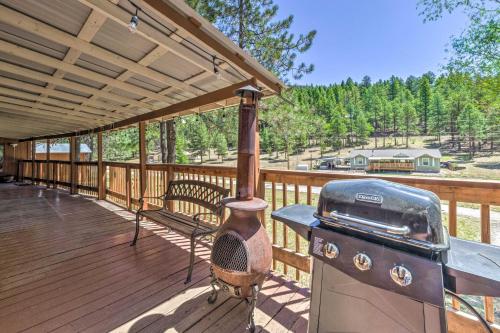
[362, 262]
[331, 250]
[401, 275]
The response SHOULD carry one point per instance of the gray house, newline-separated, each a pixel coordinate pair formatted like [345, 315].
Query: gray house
[408, 160]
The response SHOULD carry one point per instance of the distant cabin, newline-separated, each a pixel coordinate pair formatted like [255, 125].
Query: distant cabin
[60, 152]
[408, 160]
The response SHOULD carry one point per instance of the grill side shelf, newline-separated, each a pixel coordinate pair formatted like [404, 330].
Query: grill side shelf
[298, 217]
[473, 268]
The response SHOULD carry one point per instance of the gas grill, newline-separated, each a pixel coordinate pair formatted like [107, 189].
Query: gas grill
[382, 258]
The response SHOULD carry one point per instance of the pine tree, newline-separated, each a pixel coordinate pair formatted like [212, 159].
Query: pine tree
[199, 140]
[424, 92]
[363, 128]
[471, 125]
[409, 119]
[437, 120]
[254, 27]
[221, 146]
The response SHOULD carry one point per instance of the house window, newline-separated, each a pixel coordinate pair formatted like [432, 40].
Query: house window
[360, 160]
[426, 161]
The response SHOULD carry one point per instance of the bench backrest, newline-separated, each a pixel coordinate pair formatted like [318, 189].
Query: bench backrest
[201, 193]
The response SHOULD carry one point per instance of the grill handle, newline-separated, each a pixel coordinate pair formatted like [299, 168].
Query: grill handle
[402, 231]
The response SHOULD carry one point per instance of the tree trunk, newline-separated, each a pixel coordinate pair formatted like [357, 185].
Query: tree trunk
[171, 137]
[163, 141]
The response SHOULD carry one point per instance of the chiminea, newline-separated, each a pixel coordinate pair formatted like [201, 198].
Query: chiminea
[242, 253]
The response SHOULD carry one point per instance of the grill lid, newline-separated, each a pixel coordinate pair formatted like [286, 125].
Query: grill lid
[391, 213]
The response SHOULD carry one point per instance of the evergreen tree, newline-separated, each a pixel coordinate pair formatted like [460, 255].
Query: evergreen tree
[437, 116]
[471, 125]
[254, 27]
[424, 92]
[363, 128]
[199, 141]
[409, 119]
[221, 146]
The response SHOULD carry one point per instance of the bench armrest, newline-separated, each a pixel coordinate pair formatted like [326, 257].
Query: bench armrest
[196, 217]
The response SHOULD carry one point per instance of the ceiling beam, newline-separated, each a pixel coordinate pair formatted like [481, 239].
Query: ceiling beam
[47, 103]
[30, 107]
[162, 39]
[96, 108]
[42, 59]
[195, 28]
[21, 21]
[29, 73]
[171, 110]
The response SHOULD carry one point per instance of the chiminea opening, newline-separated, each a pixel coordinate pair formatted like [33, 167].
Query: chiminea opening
[230, 252]
[242, 253]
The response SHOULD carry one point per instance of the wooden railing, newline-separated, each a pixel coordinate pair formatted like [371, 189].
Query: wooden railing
[278, 188]
[396, 166]
[57, 174]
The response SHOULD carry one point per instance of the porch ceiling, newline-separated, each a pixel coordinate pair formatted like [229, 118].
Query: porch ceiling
[71, 66]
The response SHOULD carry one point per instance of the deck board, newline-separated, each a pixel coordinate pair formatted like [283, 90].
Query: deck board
[66, 266]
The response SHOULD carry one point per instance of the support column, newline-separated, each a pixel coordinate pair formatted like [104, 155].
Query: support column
[33, 156]
[142, 160]
[101, 172]
[73, 167]
[47, 164]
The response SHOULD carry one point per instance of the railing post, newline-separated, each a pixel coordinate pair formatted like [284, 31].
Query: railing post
[128, 187]
[55, 175]
[101, 172]
[47, 168]
[142, 160]
[73, 167]
[486, 238]
[170, 177]
[33, 157]
[452, 228]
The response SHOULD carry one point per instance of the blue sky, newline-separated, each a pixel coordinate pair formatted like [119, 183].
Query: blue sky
[370, 37]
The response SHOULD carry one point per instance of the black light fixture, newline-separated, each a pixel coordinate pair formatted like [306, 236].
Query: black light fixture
[217, 73]
[134, 21]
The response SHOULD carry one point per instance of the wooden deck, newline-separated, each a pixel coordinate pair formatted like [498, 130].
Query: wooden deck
[66, 266]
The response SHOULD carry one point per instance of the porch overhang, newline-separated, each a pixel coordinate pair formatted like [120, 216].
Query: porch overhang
[72, 67]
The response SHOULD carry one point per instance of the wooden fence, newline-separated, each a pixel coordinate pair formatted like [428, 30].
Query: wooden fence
[278, 188]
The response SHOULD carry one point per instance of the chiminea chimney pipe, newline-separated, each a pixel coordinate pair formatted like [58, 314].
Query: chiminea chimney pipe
[247, 129]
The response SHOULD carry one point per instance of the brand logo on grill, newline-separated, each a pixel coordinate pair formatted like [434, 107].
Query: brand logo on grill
[373, 198]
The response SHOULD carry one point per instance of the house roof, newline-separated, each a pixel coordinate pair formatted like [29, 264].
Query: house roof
[394, 153]
[41, 148]
[71, 67]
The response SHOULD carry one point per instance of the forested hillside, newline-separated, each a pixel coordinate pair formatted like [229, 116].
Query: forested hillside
[458, 106]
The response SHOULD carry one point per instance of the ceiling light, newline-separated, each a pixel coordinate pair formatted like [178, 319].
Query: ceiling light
[134, 21]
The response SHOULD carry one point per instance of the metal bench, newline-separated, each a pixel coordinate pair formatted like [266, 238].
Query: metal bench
[204, 194]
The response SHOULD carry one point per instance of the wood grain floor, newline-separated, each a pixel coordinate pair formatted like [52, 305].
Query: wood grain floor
[66, 266]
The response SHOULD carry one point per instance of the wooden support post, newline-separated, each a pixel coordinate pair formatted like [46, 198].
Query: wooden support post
[73, 166]
[142, 160]
[489, 312]
[452, 228]
[47, 166]
[55, 175]
[128, 187]
[33, 156]
[101, 172]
